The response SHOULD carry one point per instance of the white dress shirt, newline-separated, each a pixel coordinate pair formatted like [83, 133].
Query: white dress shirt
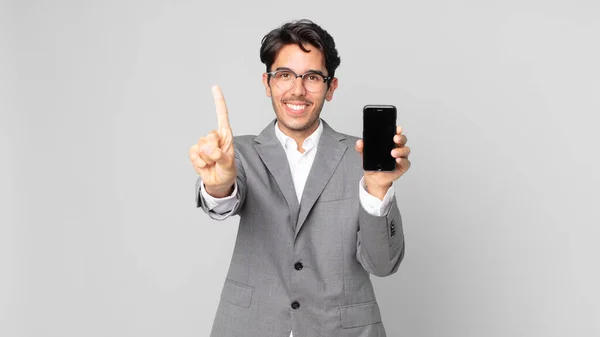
[300, 164]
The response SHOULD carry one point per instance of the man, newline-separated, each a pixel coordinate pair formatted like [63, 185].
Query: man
[313, 225]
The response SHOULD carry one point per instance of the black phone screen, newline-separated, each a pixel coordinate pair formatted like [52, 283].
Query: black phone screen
[379, 128]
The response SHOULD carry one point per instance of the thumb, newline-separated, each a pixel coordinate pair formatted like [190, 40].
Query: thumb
[359, 146]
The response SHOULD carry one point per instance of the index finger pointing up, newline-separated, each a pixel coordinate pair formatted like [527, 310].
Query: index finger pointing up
[222, 116]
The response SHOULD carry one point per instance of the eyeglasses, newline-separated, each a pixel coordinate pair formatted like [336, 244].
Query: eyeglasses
[285, 79]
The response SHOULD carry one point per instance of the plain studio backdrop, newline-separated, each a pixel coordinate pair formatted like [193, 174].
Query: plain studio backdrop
[101, 101]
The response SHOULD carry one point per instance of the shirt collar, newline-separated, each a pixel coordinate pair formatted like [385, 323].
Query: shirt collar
[310, 141]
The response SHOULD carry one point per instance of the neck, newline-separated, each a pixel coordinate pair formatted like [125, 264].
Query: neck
[299, 135]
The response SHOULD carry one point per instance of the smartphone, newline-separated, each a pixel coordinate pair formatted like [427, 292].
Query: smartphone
[379, 128]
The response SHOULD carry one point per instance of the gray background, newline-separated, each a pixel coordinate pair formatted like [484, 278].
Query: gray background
[101, 101]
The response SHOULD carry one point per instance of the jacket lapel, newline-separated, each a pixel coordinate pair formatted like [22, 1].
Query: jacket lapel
[273, 155]
[329, 153]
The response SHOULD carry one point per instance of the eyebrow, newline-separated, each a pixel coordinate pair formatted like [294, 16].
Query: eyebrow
[308, 71]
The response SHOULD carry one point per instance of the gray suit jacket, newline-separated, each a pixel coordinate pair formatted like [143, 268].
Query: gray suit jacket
[306, 266]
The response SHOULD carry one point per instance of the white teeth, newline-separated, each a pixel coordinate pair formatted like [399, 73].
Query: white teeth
[296, 107]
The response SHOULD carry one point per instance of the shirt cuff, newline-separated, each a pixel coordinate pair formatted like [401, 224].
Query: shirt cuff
[219, 205]
[372, 204]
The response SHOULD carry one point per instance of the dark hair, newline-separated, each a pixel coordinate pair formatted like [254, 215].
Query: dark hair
[299, 32]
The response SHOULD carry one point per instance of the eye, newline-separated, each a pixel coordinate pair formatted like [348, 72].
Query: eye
[314, 77]
[284, 74]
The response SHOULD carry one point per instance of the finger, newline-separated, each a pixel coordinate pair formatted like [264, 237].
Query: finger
[195, 159]
[403, 163]
[401, 152]
[206, 144]
[215, 155]
[205, 153]
[198, 162]
[400, 140]
[195, 155]
[193, 152]
[399, 129]
[359, 146]
[212, 139]
[222, 114]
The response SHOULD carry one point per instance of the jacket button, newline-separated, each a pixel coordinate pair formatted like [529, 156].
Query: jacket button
[298, 265]
[295, 305]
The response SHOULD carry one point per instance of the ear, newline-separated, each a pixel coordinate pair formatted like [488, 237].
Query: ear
[332, 86]
[265, 79]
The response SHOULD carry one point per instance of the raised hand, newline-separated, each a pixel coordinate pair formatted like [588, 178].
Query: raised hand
[213, 157]
[379, 182]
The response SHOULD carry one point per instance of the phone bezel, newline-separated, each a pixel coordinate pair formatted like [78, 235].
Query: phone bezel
[374, 108]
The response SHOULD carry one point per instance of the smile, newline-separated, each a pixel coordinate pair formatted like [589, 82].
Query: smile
[296, 107]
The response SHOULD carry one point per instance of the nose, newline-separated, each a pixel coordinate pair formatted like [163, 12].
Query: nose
[298, 89]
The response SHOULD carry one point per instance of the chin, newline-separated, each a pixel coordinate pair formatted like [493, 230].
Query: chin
[297, 121]
[298, 125]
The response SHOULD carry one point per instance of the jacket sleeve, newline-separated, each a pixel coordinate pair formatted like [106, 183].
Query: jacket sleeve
[240, 198]
[380, 242]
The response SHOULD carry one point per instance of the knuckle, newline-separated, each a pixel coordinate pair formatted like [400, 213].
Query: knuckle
[205, 159]
[212, 137]
[215, 154]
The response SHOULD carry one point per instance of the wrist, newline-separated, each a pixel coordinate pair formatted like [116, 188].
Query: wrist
[219, 191]
[377, 190]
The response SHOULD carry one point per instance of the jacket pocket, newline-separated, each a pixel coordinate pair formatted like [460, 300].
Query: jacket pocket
[237, 293]
[360, 314]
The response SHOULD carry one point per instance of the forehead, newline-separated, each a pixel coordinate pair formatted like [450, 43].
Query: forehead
[291, 56]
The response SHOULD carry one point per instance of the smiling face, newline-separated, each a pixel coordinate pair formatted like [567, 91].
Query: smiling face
[297, 109]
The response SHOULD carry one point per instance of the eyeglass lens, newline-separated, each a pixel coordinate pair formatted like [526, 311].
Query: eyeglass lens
[286, 79]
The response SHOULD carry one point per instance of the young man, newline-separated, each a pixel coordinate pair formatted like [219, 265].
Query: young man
[313, 225]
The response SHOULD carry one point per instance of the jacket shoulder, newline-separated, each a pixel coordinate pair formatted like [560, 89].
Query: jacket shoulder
[244, 139]
[244, 144]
